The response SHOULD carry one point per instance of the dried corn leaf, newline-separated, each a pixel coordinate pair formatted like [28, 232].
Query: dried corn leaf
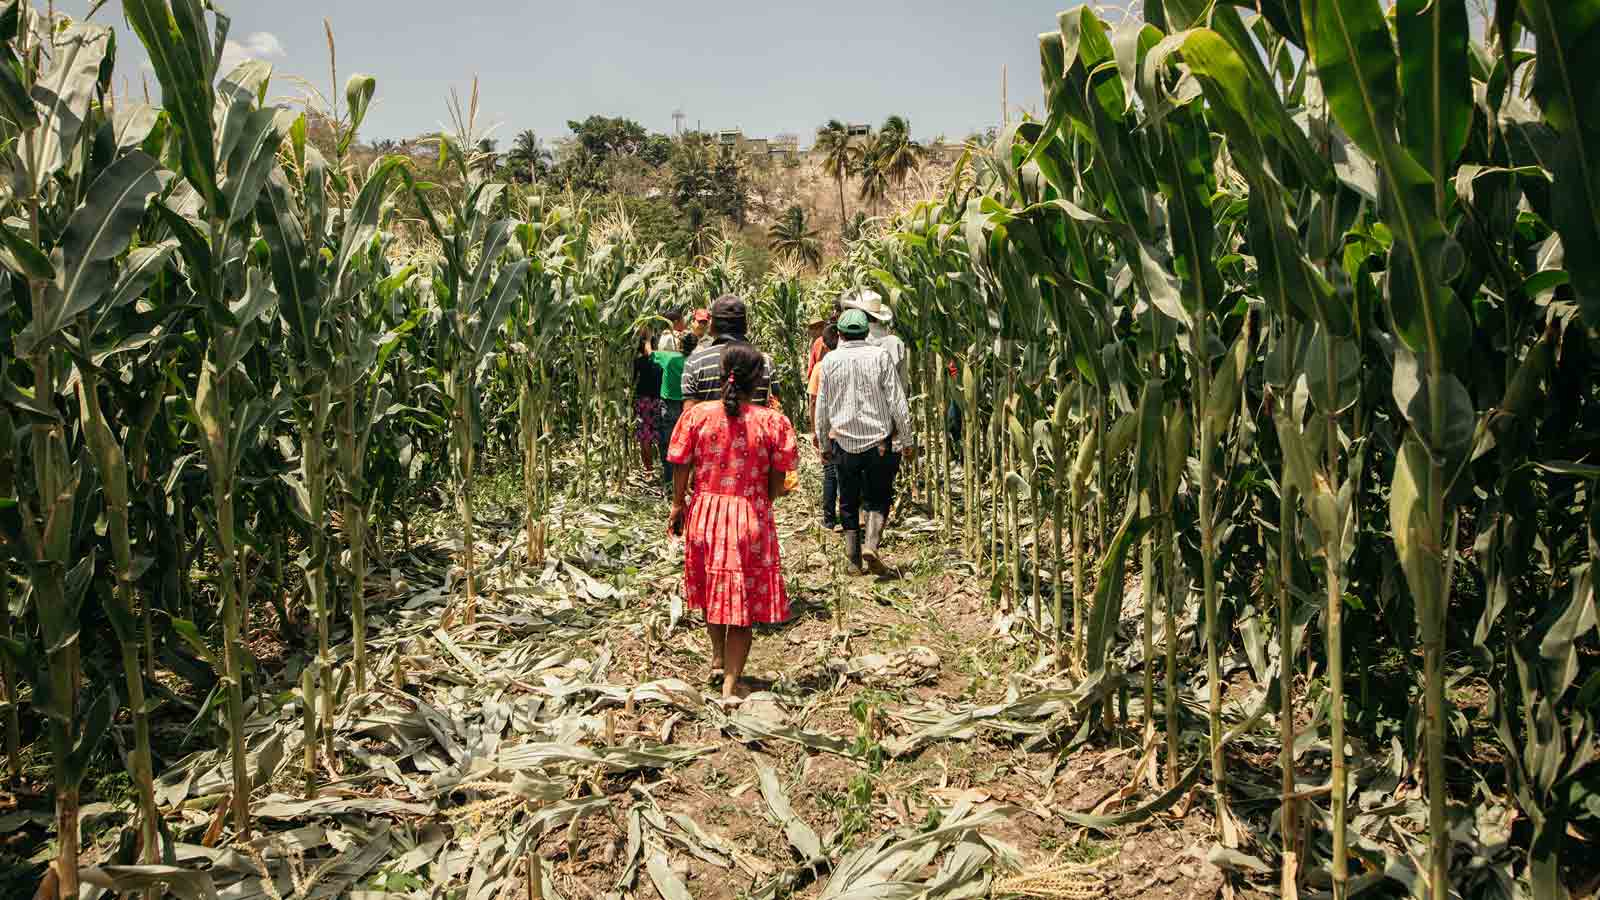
[129, 880]
[277, 806]
[667, 882]
[801, 836]
[881, 869]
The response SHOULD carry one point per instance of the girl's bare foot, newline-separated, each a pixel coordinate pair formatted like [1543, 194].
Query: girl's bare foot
[734, 690]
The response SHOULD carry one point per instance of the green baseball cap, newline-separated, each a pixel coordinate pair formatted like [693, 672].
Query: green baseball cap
[854, 321]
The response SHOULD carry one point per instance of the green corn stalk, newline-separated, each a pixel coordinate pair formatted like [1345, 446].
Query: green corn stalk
[969, 436]
[227, 170]
[70, 275]
[112, 465]
[9, 683]
[1058, 457]
[1179, 433]
[363, 345]
[286, 223]
[1351, 47]
[1088, 439]
[477, 294]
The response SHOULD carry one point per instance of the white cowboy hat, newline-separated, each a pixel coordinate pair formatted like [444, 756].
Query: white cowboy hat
[870, 303]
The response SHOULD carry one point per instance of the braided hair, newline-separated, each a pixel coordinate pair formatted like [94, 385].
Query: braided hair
[742, 365]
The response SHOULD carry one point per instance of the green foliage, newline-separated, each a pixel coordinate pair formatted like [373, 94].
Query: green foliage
[1317, 294]
[793, 237]
[709, 178]
[603, 144]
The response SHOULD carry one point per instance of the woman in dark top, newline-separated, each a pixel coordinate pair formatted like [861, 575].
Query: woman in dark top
[646, 401]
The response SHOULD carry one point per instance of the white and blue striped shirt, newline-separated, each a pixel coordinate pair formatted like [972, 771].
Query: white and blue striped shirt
[860, 402]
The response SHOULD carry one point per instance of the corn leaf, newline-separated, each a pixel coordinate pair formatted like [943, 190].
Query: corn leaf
[97, 233]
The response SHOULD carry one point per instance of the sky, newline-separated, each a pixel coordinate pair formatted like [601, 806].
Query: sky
[764, 67]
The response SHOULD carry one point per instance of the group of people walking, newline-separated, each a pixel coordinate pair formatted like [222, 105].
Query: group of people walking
[704, 401]
[658, 385]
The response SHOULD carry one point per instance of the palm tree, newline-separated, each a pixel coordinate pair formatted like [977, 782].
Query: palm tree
[792, 236]
[528, 160]
[485, 158]
[839, 157]
[874, 176]
[898, 154]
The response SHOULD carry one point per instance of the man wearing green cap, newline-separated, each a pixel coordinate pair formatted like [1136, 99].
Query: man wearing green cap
[862, 421]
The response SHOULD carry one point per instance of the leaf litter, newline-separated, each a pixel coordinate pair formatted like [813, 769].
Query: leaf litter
[570, 723]
[532, 730]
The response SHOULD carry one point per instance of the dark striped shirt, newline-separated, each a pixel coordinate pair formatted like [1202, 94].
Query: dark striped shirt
[703, 378]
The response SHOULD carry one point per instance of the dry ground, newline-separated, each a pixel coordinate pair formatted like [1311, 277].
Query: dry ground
[571, 710]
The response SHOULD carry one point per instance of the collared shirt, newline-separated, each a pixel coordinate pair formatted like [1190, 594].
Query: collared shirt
[879, 335]
[703, 378]
[860, 402]
[671, 363]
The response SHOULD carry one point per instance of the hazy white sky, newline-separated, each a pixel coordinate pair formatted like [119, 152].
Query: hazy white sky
[765, 67]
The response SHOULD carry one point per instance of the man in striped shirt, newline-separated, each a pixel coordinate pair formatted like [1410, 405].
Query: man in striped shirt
[862, 421]
[702, 371]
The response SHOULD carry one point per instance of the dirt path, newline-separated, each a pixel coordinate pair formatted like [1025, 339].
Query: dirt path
[910, 753]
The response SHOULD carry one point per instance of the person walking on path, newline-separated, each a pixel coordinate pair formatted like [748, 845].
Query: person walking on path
[671, 363]
[830, 472]
[739, 452]
[646, 401]
[815, 328]
[862, 422]
[817, 348]
[880, 317]
[702, 370]
[879, 335]
[672, 338]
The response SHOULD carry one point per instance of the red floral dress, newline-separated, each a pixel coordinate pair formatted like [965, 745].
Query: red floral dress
[731, 567]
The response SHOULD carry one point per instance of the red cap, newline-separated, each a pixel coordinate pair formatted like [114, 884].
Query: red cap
[702, 315]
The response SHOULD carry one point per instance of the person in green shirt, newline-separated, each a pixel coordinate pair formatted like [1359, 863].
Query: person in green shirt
[671, 363]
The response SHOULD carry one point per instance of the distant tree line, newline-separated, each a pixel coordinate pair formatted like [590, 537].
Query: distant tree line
[680, 192]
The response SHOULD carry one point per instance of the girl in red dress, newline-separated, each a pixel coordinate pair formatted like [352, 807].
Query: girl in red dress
[738, 453]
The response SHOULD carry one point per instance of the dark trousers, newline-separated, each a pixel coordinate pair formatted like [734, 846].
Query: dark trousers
[830, 494]
[670, 411]
[952, 427]
[864, 483]
[891, 464]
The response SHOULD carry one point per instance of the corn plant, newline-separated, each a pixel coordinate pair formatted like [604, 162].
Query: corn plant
[475, 294]
[1243, 235]
[224, 170]
[539, 322]
[78, 216]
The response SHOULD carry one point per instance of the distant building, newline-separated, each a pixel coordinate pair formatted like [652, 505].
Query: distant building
[786, 147]
[944, 152]
[783, 146]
